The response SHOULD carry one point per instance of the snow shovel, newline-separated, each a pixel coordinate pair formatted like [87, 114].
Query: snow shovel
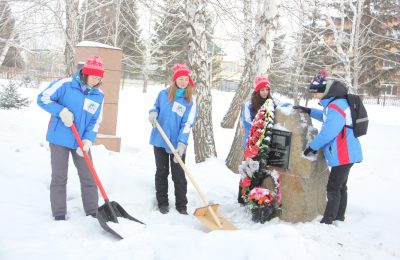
[110, 210]
[208, 215]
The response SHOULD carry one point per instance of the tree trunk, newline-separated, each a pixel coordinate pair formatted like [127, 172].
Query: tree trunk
[145, 77]
[244, 87]
[260, 59]
[259, 64]
[145, 71]
[7, 45]
[241, 94]
[356, 45]
[235, 155]
[123, 76]
[204, 145]
[71, 33]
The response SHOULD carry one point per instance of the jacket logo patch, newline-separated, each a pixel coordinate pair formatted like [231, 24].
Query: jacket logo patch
[178, 108]
[90, 106]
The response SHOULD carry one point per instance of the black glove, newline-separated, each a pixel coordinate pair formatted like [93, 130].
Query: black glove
[309, 150]
[303, 109]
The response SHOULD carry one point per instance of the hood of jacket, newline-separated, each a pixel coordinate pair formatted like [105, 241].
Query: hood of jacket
[337, 89]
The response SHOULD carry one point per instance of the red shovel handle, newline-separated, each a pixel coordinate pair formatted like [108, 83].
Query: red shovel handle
[89, 163]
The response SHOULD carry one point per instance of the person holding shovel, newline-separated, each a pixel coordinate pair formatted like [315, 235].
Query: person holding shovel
[77, 100]
[175, 109]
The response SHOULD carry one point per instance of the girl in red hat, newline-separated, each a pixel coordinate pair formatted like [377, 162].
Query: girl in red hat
[261, 93]
[76, 100]
[175, 110]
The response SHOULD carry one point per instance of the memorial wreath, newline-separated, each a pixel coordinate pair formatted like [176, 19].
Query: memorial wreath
[262, 202]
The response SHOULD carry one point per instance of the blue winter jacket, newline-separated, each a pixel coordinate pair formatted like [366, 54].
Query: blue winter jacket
[338, 142]
[175, 118]
[87, 110]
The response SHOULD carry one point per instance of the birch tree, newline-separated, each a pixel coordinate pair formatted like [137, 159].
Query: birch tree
[172, 38]
[236, 151]
[7, 30]
[258, 64]
[198, 60]
[71, 34]
[307, 53]
[346, 40]
[360, 35]
[245, 80]
[380, 55]
[9, 49]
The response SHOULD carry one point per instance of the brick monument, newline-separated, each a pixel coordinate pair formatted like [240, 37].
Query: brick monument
[112, 57]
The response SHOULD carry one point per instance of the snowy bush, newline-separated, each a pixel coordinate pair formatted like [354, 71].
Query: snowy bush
[26, 81]
[10, 98]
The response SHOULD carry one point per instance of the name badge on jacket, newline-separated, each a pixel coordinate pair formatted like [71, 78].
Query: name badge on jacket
[90, 106]
[178, 108]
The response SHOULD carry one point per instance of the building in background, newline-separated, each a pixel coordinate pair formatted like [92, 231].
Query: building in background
[379, 52]
[230, 74]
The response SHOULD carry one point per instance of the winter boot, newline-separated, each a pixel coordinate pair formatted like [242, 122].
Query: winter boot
[61, 217]
[163, 209]
[182, 211]
[326, 220]
[93, 215]
[339, 218]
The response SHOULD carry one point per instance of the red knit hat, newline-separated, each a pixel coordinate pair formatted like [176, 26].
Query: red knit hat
[93, 66]
[262, 82]
[182, 70]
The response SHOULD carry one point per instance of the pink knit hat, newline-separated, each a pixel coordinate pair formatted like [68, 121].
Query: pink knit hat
[93, 66]
[182, 70]
[262, 82]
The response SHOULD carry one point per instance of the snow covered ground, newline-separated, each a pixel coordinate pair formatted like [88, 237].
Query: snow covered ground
[28, 230]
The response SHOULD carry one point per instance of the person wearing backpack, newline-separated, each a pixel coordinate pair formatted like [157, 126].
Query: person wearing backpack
[340, 146]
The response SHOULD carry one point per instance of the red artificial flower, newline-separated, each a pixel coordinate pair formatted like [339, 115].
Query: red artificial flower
[245, 182]
[259, 124]
[251, 152]
[254, 150]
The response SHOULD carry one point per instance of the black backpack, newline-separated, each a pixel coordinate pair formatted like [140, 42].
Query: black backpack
[359, 115]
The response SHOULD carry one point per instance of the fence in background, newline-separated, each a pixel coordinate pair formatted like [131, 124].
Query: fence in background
[382, 100]
[29, 75]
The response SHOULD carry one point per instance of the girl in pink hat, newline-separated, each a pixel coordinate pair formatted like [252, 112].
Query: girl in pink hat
[76, 100]
[175, 110]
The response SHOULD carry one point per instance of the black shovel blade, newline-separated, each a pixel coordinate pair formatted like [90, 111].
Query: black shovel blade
[109, 211]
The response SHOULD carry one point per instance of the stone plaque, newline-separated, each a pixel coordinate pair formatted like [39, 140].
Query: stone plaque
[279, 150]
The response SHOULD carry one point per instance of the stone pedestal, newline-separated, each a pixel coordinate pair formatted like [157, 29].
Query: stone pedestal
[303, 185]
[111, 57]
